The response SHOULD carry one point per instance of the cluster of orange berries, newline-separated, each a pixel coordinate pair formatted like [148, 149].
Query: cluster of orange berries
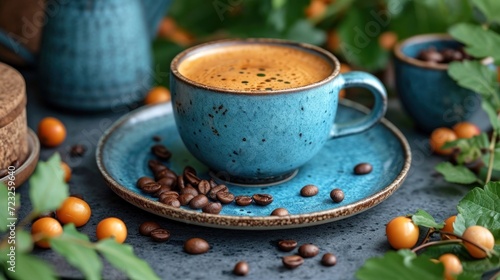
[402, 233]
[442, 135]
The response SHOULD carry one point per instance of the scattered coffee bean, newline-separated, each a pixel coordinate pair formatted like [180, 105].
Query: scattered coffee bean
[212, 208]
[184, 199]
[77, 195]
[164, 173]
[213, 184]
[280, 212]
[196, 246]
[198, 201]
[262, 199]
[156, 166]
[189, 189]
[337, 195]
[293, 261]
[204, 187]
[445, 55]
[243, 200]
[151, 187]
[161, 152]
[168, 194]
[189, 169]
[225, 197]
[160, 235]
[170, 201]
[147, 227]
[77, 150]
[309, 190]
[156, 138]
[241, 268]
[167, 182]
[287, 245]
[180, 182]
[219, 188]
[162, 189]
[143, 181]
[329, 259]
[363, 168]
[308, 250]
[431, 55]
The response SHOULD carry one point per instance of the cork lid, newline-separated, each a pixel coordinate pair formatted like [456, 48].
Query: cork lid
[12, 94]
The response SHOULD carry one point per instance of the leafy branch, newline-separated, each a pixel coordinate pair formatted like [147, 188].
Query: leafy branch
[47, 191]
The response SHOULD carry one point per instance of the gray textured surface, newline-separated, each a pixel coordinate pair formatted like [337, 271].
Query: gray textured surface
[353, 240]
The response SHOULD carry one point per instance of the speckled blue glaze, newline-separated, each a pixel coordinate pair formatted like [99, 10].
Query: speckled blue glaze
[127, 150]
[96, 54]
[264, 137]
[429, 95]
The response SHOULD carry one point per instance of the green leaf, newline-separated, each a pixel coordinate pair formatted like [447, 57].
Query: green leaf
[122, 257]
[47, 187]
[76, 248]
[496, 159]
[490, 8]
[473, 75]
[483, 265]
[470, 148]
[480, 207]
[277, 4]
[304, 31]
[30, 267]
[24, 242]
[456, 174]
[394, 265]
[492, 114]
[422, 218]
[479, 42]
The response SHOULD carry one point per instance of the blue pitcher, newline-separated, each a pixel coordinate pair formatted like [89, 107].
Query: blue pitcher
[95, 54]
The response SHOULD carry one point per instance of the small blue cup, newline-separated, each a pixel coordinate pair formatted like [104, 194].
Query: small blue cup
[426, 91]
[262, 138]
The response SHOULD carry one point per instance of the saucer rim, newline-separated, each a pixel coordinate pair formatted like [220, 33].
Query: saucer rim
[248, 222]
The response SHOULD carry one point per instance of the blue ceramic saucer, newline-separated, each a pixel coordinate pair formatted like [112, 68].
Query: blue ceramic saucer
[124, 151]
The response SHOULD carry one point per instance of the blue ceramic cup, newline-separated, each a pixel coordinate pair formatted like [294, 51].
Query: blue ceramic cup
[426, 91]
[262, 137]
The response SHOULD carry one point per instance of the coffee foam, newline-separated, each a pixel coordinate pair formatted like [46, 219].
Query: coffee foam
[255, 67]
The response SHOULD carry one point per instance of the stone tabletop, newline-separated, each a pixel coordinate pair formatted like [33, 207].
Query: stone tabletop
[352, 240]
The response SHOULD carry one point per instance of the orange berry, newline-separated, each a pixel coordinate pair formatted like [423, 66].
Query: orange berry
[333, 41]
[316, 8]
[481, 236]
[51, 132]
[157, 95]
[466, 130]
[67, 171]
[43, 229]
[441, 136]
[167, 27]
[448, 227]
[112, 227]
[74, 210]
[402, 233]
[387, 40]
[452, 266]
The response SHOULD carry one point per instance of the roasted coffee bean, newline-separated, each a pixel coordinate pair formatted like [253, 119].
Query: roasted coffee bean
[180, 182]
[219, 188]
[165, 173]
[262, 199]
[280, 212]
[156, 138]
[213, 184]
[450, 55]
[191, 179]
[158, 168]
[212, 208]
[225, 197]
[243, 200]
[293, 261]
[77, 150]
[309, 190]
[198, 201]
[431, 55]
[166, 194]
[161, 152]
[329, 259]
[189, 189]
[151, 187]
[154, 162]
[363, 168]
[308, 250]
[196, 246]
[162, 189]
[189, 169]
[241, 268]
[204, 187]
[147, 227]
[171, 201]
[160, 235]
[184, 199]
[143, 181]
[168, 182]
[337, 195]
[4, 172]
[287, 245]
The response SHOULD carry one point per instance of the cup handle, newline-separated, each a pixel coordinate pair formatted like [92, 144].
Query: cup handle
[16, 47]
[370, 82]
